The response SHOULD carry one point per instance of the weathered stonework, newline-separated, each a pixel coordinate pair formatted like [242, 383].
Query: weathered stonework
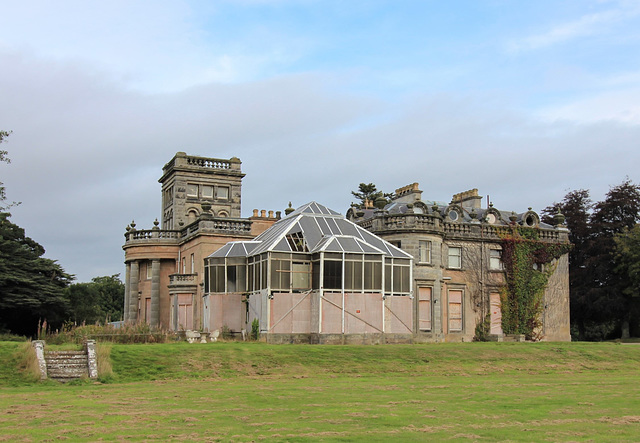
[201, 211]
[461, 269]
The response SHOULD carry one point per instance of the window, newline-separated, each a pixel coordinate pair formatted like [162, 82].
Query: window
[193, 264]
[453, 215]
[296, 242]
[455, 257]
[184, 265]
[332, 274]
[455, 311]
[207, 192]
[424, 309]
[396, 276]
[192, 190]
[396, 243]
[495, 259]
[222, 192]
[300, 275]
[424, 251]
[149, 271]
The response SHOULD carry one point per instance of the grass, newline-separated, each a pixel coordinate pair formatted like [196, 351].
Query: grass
[254, 391]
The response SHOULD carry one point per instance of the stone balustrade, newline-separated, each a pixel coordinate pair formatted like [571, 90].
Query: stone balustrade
[146, 234]
[212, 163]
[178, 279]
[209, 225]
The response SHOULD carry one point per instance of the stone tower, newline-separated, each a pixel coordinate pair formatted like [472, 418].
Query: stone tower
[192, 185]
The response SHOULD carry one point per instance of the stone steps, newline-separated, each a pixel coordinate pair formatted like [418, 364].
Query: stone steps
[66, 365]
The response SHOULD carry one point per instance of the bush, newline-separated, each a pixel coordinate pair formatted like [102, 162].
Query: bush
[127, 333]
[255, 329]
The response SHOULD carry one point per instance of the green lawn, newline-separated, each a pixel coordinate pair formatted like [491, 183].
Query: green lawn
[254, 391]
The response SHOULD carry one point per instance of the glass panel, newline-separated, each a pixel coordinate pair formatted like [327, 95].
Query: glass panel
[387, 278]
[357, 276]
[300, 275]
[231, 279]
[332, 275]
[315, 274]
[275, 274]
[455, 256]
[241, 281]
[425, 251]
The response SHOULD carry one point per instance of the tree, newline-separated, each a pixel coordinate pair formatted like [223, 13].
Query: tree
[576, 207]
[98, 301]
[31, 286]
[627, 255]
[368, 194]
[4, 158]
[599, 304]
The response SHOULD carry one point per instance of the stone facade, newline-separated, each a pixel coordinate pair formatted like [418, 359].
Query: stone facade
[201, 211]
[457, 268]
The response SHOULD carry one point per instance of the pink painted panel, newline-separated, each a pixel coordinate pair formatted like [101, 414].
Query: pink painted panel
[455, 311]
[424, 309]
[398, 315]
[290, 313]
[364, 313]
[496, 313]
[227, 310]
[331, 313]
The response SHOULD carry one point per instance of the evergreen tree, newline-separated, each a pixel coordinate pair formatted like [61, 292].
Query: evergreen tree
[31, 286]
[599, 283]
[369, 193]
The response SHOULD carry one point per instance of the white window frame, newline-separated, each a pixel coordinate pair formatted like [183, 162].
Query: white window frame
[426, 246]
[450, 255]
[495, 265]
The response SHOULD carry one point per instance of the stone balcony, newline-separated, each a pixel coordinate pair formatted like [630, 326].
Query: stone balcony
[204, 225]
[183, 279]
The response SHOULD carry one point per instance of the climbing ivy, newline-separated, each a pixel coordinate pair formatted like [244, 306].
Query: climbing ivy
[528, 263]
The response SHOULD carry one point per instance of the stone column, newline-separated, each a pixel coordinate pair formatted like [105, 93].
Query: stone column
[92, 358]
[155, 292]
[134, 276]
[38, 345]
[125, 310]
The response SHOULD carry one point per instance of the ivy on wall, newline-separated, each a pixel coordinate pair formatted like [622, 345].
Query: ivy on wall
[528, 263]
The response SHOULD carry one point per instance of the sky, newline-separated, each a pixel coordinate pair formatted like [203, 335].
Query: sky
[523, 100]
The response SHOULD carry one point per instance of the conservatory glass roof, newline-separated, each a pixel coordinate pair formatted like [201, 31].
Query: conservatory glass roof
[313, 228]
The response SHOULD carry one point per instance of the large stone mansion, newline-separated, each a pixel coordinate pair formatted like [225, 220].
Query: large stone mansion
[409, 270]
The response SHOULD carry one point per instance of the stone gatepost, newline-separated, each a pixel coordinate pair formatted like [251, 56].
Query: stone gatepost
[38, 345]
[92, 358]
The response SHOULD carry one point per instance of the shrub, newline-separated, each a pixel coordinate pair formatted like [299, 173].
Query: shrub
[255, 329]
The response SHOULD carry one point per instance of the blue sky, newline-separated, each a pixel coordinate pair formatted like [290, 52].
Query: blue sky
[524, 100]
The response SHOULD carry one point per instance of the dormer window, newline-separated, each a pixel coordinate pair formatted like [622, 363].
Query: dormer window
[296, 242]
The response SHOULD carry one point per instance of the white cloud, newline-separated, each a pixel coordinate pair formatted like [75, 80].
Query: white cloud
[587, 25]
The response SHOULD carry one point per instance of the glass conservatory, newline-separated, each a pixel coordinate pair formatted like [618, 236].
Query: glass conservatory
[302, 263]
